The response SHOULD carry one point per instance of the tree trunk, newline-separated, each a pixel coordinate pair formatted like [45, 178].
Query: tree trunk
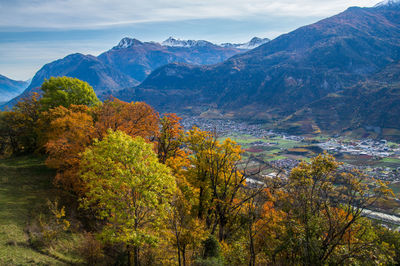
[184, 255]
[252, 253]
[222, 227]
[179, 254]
[136, 256]
[252, 261]
[200, 213]
[129, 255]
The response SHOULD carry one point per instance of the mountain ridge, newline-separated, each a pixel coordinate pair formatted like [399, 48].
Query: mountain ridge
[128, 63]
[280, 77]
[10, 88]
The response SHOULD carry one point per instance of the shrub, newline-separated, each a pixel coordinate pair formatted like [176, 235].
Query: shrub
[48, 228]
[90, 249]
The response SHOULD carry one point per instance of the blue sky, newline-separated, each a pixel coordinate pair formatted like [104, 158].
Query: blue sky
[36, 32]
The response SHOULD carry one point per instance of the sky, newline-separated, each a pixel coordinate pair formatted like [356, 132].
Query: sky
[36, 32]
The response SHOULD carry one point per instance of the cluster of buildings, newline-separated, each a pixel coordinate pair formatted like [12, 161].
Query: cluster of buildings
[285, 164]
[381, 173]
[230, 127]
[367, 147]
[374, 149]
[225, 127]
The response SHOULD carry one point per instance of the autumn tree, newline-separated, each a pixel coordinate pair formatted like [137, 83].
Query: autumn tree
[214, 170]
[324, 222]
[170, 137]
[18, 127]
[135, 119]
[263, 225]
[188, 231]
[128, 188]
[68, 133]
[65, 91]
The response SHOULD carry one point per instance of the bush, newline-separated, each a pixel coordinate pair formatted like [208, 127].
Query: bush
[91, 250]
[211, 247]
[211, 253]
[48, 228]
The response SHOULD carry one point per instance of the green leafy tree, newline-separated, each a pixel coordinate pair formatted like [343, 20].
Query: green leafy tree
[128, 188]
[64, 91]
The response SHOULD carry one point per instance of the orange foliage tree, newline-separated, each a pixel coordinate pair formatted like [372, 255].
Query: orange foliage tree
[69, 132]
[134, 119]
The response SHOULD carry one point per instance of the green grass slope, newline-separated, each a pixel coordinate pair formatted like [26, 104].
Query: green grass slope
[25, 185]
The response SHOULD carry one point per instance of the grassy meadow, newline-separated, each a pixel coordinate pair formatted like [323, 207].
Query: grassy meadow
[25, 187]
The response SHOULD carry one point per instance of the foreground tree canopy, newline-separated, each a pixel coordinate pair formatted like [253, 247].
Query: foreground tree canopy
[127, 186]
[64, 91]
[155, 194]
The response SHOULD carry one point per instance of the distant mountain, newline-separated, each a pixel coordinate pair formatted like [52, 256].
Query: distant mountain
[138, 59]
[286, 74]
[104, 79]
[253, 43]
[172, 42]
[11, 88]
[131, 61]
[388, 3]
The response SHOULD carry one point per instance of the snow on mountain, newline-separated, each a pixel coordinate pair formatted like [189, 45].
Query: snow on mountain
[253, 43]
[172, 42]
[127, 42]
[388, 3]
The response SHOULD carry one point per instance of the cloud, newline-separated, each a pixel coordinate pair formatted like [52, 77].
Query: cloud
[91, 14]
[35, 32]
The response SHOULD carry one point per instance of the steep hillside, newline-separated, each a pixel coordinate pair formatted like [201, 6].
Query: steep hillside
[282, 76]
[104, 79]
[371, 107]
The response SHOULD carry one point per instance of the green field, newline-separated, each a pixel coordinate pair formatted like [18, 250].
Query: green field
[25, 186]
[390, 160]
[396, 188]
[277, 150]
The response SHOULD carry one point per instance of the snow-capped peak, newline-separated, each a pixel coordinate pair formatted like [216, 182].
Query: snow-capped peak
[172, 42]
[388, 3]
[253, 43]
[184, 43]
[127, 42]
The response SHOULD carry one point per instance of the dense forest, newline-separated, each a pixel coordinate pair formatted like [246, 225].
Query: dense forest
[141, 190]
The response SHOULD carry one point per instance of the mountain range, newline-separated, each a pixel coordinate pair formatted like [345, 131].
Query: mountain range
[341, 74]
[343, 62]
[138, 59]
[131, 61]
[11, 88]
